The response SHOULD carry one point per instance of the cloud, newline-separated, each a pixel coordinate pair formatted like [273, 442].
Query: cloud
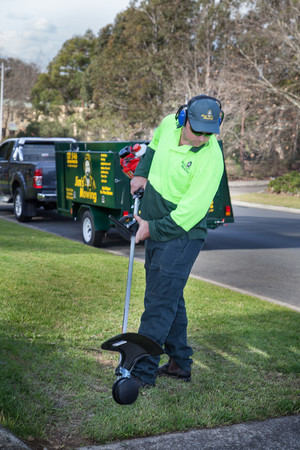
[29, 42]
[11, 43]
[27, 46]
[17, 16]
[35, 30]
[42, 24]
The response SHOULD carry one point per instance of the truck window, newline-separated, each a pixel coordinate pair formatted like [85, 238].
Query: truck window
[4, 150]
[38, 152]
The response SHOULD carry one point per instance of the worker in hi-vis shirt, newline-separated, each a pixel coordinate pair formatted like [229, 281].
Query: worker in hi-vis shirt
[180, 172]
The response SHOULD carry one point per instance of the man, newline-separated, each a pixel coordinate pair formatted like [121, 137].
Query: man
[88, 181]
[181, 172]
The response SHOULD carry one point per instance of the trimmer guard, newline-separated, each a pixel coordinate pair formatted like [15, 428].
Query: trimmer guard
[127, 226]
[132, 347]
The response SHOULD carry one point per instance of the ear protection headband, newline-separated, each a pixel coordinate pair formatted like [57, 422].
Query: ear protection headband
[182, 113]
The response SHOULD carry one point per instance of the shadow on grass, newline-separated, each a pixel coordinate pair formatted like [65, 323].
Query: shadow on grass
[249, 364]
[245, 368]
[47, 388]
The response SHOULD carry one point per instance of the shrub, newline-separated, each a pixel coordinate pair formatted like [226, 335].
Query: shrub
[289, 184]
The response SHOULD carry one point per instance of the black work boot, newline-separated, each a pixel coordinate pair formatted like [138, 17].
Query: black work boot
[140, 383]
[171, 369]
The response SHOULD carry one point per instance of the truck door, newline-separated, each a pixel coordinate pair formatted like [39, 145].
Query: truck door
[5, 152]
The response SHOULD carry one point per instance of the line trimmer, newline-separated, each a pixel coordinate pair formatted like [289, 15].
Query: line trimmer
[131, 346]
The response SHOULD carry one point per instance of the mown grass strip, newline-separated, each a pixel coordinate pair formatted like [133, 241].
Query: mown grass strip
[267, 198]
[59, 300]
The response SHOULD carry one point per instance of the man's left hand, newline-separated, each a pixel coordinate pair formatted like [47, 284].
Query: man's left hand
[143, 231]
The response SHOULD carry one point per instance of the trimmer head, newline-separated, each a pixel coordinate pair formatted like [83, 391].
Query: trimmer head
[132, 347]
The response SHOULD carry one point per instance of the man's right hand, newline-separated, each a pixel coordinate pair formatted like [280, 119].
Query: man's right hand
[143, 230]
[136, 183]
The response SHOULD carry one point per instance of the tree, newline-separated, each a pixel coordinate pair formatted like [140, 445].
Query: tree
[132, 74]
[62, 84]
[265, 78]
[19, 78]
[46, 98]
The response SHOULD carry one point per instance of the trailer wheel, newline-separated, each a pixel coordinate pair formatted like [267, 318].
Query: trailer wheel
[89, 234]
[20, 205]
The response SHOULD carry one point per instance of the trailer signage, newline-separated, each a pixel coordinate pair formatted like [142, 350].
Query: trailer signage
[105, 168]
[72, 159]
[69, 193]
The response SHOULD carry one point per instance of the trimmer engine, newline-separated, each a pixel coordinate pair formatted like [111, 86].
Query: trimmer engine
[130, 157]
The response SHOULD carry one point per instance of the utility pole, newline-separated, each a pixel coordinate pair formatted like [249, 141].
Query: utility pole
[1, 99]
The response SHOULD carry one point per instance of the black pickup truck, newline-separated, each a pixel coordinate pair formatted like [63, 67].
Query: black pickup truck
[28, 174]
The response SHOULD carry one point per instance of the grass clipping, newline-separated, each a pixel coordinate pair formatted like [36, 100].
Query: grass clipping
[59, 300]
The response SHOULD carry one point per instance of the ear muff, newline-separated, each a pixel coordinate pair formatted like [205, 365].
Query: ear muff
[221, 118]
[181, 116]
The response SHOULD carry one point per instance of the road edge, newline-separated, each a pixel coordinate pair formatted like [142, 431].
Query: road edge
[263, 206]
[250, 294]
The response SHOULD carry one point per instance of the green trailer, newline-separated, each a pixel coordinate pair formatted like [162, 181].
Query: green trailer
[91, 187]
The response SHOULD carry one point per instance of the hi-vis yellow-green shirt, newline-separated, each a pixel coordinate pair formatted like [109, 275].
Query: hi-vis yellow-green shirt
[182, 182]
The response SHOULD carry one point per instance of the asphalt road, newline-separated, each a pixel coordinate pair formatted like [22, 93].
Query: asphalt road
[259, 254]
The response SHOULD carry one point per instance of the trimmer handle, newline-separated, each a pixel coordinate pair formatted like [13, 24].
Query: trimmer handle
[127, 225]
[138, 194]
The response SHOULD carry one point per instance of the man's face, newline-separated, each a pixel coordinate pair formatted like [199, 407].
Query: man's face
[193, 139]
[87, 168]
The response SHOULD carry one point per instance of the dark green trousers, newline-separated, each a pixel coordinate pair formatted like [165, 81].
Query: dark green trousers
[168, 265]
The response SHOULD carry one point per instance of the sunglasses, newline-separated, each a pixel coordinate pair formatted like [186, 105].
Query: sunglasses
[200, 133]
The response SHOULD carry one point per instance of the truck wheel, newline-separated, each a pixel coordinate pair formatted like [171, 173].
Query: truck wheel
[20, 205]
[89, 234]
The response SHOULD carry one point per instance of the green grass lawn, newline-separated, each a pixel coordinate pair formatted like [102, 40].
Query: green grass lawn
[59, 300]
[267, 198]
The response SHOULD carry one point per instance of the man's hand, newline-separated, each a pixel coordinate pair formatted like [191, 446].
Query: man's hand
[143, 231]
[136, 183]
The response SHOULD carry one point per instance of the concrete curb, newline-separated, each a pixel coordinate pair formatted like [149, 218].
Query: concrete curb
[262, 206]
[244, 292]
[281, 433]
[247, 183]
[9, 442]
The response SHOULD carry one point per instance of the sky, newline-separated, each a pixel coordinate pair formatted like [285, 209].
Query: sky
[35, 30]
